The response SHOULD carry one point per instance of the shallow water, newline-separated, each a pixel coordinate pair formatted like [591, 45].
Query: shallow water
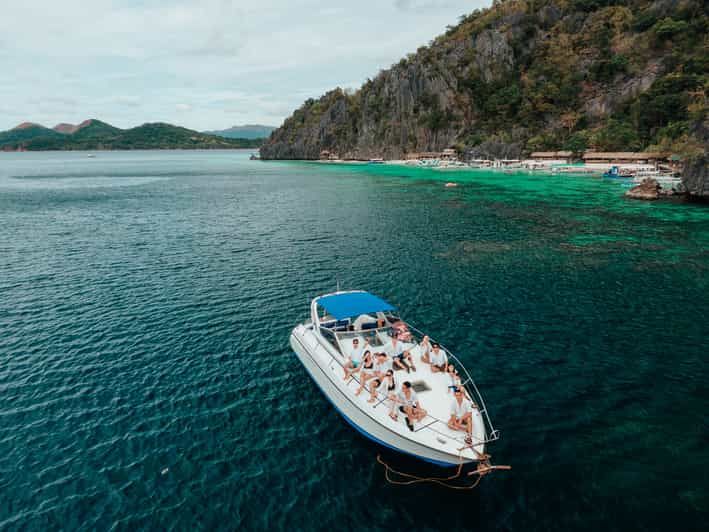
[146, 379]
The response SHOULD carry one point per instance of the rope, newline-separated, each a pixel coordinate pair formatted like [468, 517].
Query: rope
[436, 480]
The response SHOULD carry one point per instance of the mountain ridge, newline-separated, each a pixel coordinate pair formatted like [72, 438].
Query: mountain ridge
[93, 134]
[247, 131]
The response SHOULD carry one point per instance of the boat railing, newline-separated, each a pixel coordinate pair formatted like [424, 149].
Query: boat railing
[491, 433]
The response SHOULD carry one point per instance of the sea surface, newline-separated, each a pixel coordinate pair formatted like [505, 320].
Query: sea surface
[146, 380]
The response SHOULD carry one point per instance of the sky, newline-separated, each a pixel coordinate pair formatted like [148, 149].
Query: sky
[202, 64]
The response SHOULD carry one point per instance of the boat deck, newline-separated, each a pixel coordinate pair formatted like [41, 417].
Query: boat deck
[433, 392]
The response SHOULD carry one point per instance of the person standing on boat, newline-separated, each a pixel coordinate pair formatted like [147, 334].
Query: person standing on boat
[410, 405]
[461, 414]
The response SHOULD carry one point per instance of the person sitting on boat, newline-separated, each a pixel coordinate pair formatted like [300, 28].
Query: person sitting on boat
[366, 371]
[425, 346]
[401, 357]
[461, 414]
[400, 331]
[410, 405]
[453, 378]
[437, 359]
[404, 360]
[384, 387]
[382, 364]
[354, 359]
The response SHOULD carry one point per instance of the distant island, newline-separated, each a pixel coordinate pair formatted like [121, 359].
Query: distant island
[248, 131]
[94, 134]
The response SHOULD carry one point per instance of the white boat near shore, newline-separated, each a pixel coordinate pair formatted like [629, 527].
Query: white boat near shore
[323, 344]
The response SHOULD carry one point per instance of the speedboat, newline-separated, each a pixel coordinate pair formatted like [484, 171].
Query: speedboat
[325, 341]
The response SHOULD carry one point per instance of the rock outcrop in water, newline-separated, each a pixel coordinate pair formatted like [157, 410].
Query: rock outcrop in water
[648, 189]
[524, 75]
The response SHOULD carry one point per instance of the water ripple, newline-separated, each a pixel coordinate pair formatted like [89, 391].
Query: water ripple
[146, 379]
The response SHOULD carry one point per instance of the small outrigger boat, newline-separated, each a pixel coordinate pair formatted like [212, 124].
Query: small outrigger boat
[342, 321]
[616, 172]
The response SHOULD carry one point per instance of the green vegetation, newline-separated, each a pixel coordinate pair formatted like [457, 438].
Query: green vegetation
[540, 74]
[97, 135]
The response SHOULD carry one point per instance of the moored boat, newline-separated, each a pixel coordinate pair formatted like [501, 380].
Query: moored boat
[341, 323]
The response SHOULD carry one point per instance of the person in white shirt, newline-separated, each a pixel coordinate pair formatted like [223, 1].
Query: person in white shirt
[437, 359]
[381, 365]
[410, 405]
[353, 361]
[461, 414]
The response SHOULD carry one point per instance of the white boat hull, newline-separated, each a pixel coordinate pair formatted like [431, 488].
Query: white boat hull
[328, 376]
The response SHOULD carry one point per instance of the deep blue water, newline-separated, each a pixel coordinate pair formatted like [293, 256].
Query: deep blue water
[146, 380]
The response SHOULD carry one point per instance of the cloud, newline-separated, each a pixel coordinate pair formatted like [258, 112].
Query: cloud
[126, 101]
[407, 5]
[157, 60]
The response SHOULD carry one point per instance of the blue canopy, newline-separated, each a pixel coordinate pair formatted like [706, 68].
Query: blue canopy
[343, 306]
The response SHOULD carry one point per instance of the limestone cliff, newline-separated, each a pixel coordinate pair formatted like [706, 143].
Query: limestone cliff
[525, 75]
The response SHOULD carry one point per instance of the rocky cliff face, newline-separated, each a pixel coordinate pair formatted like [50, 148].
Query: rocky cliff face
[695, 178]
[524, 75]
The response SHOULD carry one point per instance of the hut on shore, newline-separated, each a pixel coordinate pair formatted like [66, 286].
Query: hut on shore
[449, 154]
[624, 157]
[565, 157]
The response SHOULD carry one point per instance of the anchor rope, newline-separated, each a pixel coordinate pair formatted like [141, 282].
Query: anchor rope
[443, 481]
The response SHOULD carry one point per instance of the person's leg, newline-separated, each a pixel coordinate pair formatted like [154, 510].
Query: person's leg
[373, 391]
[362, 381]
[346, 367]
[410, 360]
[468, 422]
[409, 417]
[392, 408]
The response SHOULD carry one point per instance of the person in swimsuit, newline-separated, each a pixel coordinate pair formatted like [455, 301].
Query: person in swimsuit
[453, 378]
[425, 349]
[383, 386]
[366, 371]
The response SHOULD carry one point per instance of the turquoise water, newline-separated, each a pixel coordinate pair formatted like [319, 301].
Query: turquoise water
[146, 380]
